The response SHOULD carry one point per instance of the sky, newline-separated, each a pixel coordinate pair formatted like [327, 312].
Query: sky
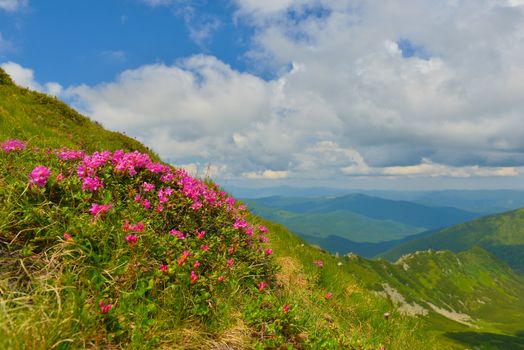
[391, 94]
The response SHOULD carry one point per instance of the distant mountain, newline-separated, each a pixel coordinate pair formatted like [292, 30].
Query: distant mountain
[470, 296]
[341, 223]
[340, 245]
[479, 201]
[500, 234]
[403, 212]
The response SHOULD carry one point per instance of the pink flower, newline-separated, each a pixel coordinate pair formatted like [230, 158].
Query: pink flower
[200, 234]
[264, 239]
[148, 187]
[60, 177]
[67, 236]
[319, 263]
[197, 264]
[239, 223]
[92, 183]
[39, 176]
[230, 263]
[193, 277]
[131, 240]
[196, 206]
[261, 286]
[104, 309]
[221, 278]
[286, 309]
[99, 209]
[269, 251]
[186, 254]
[204, 247]
[231, 250]
[138, 227]
[177, 233]
[137, 198]
[329, 295]
[13, 145]
[159, 208]
[262, 229]
[163, 268]
[146, 204]
[249, 231]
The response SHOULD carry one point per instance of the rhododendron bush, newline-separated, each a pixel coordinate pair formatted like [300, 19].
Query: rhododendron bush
[148, 235]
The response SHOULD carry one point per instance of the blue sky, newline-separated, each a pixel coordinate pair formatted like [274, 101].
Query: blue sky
[395, 94]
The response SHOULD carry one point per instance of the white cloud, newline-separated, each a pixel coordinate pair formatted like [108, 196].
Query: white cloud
[25, 78]
[428, 168]
[267, 174]
[347, 100]
[12, 5]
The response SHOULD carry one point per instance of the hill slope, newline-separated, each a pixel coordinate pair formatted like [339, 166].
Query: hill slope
[460, 295]
[500, 234]
[111, 249]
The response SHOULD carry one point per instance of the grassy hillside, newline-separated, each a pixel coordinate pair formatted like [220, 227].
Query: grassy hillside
[501, 234]
[101, 248]
[470, 296]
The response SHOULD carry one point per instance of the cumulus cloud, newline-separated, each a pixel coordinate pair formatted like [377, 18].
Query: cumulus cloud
[25, 78]
[12, 5]
[377, 89]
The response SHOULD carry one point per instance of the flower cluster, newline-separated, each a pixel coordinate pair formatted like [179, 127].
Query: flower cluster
[39, 176]
[13, 145]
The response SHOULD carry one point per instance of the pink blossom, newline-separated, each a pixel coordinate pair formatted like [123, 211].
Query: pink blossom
[269, 251]
[286, 309]
[204, 247]
[221, 278]
[39, 176]
[261, 286]
[264, 239]
[92, 184]
[231, 250]
[193, 277]
[230, 262]
[196, 206]
[60, 177]
[138, 198]
[200, 234]
[13, 145]
[167, 177]
[163, 268]
[177, 233]
[138, 227]
[196, 264]
[67, 236]
[186, 254]
[319, 263]
[131, 240]
[239, 223]
[104, 309]
[148, 187]
[262, 229]
[249, 231]
[329, 295]
[146, 204]
[159, 208]
[99, 209]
